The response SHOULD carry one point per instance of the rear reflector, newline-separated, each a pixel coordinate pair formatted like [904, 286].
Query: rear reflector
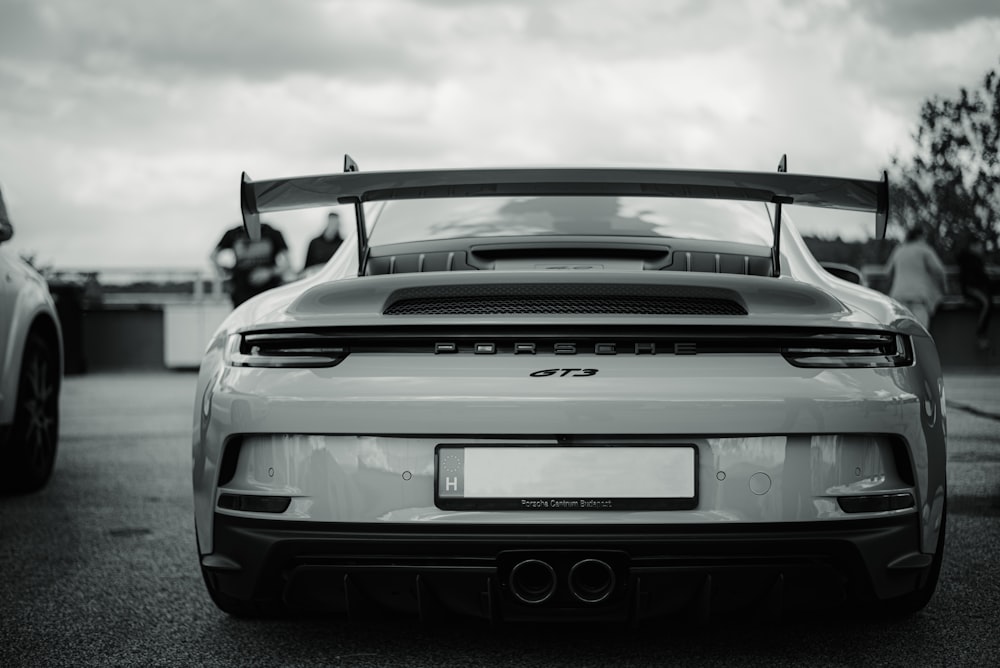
[255, 504]
[875, 503]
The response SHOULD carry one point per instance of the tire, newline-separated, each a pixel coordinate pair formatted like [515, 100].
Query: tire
[34, 435]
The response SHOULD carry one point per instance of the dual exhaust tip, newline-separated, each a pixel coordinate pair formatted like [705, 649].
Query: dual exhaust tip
[589, 581]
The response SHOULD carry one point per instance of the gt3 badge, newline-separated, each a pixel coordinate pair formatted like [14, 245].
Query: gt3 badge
[563, 372]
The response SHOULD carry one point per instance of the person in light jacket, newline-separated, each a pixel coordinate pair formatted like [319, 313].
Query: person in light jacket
[917, 276]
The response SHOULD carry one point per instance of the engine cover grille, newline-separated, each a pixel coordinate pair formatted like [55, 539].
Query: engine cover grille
[493, 300]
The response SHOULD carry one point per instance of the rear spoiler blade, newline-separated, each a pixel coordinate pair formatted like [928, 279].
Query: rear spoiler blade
[356, 187]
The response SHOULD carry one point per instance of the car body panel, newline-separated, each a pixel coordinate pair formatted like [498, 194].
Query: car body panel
[482, 399]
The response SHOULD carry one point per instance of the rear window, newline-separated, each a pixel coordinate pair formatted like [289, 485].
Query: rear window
[404, 221]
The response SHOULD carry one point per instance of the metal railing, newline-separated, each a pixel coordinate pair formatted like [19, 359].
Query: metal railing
[128, 286]
[136, 286]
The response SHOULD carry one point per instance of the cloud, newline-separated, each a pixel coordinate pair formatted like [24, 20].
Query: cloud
[212, 39]
[128, 123]
[905, 17]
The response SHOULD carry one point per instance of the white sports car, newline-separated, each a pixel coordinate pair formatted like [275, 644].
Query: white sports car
[569, 394]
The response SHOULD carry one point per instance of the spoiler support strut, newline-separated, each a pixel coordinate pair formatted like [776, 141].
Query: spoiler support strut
[778, 201]
[359, 219]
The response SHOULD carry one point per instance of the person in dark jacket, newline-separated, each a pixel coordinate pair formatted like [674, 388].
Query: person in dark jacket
[326, 244]
[976, 287]
[251, 267]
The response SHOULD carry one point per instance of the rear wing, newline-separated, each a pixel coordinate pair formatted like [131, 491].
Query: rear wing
[356, 187]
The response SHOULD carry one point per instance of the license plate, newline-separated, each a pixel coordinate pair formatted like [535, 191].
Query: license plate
[546, 477]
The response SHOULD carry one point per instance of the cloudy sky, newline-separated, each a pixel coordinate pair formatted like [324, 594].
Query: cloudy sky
[125, 124]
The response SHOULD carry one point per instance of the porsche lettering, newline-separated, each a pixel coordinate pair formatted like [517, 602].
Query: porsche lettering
[565, 348]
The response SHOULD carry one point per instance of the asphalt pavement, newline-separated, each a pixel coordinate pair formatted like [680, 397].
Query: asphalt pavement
[974, 391]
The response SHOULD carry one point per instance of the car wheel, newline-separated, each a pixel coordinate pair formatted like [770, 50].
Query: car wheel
[34, 436]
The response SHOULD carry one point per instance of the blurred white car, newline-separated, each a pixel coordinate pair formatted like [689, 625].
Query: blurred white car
[570, 395]
[30, 371]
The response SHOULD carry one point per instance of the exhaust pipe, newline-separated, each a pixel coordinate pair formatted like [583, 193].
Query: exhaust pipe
[532, 581]
[591, 580]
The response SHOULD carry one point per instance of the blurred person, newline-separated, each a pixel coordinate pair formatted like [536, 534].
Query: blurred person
[251, 267]
[976, 286]
[322, 247]
[917, 276]
[6, 229]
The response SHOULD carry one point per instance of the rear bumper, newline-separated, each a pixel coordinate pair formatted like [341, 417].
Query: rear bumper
[654, 571]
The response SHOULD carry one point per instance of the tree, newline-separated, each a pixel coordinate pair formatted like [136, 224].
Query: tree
[951, 184]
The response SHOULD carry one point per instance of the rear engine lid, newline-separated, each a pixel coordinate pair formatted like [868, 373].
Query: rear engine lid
[406, 299]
